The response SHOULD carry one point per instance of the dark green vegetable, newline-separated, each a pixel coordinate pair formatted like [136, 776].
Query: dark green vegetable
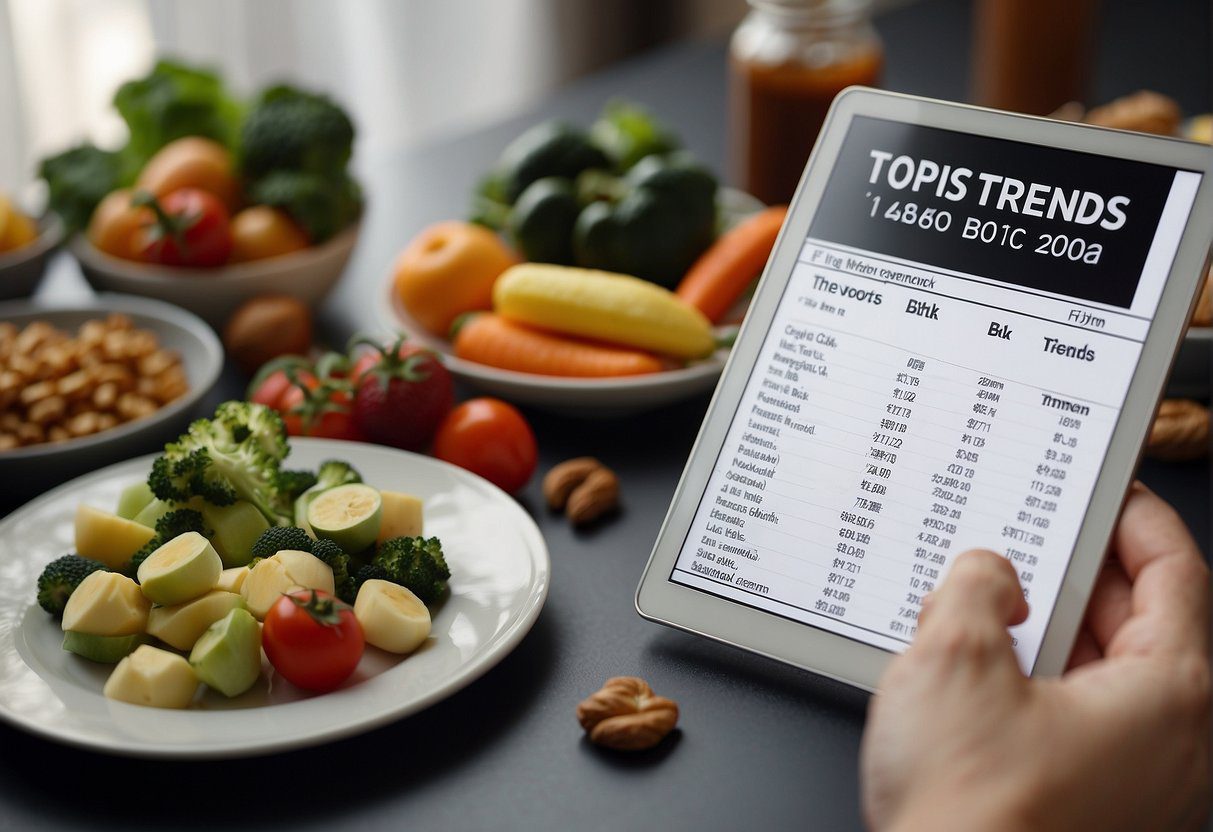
[289, 129]
[369, 572]
[171, 524]
[663, 221]
[323, 206]
[278, 538]
[233, 456]
[628, 133]
[60, 578]
[416, 563]
[173, 101]
[339, 562]
[78, 179]
[292, 483]
[541, 224]
[552, 148]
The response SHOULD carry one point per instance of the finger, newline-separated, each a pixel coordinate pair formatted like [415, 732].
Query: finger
[1111, 603]
[981, 586]
[1086, 650]
[1149, 529]
[1170, 582]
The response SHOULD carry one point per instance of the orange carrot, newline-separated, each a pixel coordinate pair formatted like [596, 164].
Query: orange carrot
[722, 273]
[490, 339]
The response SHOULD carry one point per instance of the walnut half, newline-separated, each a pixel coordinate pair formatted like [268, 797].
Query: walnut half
[626, 715]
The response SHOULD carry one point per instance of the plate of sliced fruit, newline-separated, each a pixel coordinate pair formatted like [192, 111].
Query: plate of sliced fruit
[219, 599]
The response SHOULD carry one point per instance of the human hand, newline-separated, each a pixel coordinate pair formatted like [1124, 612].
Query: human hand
[959, 738]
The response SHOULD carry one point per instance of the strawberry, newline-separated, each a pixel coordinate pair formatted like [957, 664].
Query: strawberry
[402, 395]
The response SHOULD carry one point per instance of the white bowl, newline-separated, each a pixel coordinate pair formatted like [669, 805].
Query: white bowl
[213, 294]
[29, 470]
[22, 268]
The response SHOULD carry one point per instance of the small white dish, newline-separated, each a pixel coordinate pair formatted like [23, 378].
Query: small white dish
[499, 581]
[213, 294]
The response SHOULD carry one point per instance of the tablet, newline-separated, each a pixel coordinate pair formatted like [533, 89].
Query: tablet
[959, 341]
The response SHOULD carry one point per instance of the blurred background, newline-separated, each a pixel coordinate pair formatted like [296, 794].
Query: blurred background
[415, 71]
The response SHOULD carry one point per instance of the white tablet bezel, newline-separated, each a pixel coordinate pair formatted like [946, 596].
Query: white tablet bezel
[660, 599]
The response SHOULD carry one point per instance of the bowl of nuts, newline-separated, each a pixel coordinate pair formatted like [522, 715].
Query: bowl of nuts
[85, 385]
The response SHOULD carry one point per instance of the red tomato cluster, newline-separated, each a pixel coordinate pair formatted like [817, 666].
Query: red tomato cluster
[401, 396]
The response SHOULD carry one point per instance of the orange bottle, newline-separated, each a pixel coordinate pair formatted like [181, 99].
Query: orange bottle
[787, 61]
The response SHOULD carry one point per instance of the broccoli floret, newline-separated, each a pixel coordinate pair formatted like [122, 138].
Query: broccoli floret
[293, 483]
[233, 456]
[416, 563]
[339, 562]
[370, 572]
[60, 578]
[335, 472]
[323, 206]
[289, 129]
[78, 179]
[279, 538]
[171, 524]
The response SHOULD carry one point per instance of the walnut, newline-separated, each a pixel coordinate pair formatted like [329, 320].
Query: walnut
[626, 715]
[1203, 314]
[1180, 431]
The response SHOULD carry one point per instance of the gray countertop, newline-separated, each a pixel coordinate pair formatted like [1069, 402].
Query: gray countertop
[760, 745]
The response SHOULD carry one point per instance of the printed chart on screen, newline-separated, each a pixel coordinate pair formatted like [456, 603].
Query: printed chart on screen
[945, 371]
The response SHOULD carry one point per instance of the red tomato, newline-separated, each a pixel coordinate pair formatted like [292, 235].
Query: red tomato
[189, 228]
[490, 438]
[312, 639]
[271, 391]
[321, 411]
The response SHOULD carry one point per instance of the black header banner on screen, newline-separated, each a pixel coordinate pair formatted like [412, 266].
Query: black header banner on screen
[1060, 221]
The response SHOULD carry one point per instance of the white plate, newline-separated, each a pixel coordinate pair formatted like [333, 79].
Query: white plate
[581, 396]
[499, 580]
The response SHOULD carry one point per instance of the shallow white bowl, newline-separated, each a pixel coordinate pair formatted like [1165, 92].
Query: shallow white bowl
[27, 471]
[213, 294]
[599, 397]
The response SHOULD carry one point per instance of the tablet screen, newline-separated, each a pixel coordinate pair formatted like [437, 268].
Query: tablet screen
[944, 371]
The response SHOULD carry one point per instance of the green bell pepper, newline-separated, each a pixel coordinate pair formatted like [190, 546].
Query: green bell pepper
[660, 218]
[541, 223]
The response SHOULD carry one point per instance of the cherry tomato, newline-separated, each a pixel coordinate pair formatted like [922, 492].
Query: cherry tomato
[490, 438]
[321, 411]
[312, 639]
[271, 391]
[189, 228]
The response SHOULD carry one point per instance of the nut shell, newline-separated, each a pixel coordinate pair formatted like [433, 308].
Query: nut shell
[626, 715]
[596, 496]
[563, 478]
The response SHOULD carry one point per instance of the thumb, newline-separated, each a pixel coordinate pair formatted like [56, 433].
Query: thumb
[971, 610]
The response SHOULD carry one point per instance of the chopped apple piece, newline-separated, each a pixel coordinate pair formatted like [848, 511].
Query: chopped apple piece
[182, 625]
[106, 604]
[107, 537]
[392, 617]
[401, 516]
[227, 657]
[183, 568]
[154, 677]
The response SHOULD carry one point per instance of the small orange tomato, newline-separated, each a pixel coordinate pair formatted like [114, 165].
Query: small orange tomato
[490, 438]
[191, 162]
[115, 224]
[262, 231]
[448, 269]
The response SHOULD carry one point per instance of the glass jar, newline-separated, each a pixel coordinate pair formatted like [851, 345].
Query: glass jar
[787, 61]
